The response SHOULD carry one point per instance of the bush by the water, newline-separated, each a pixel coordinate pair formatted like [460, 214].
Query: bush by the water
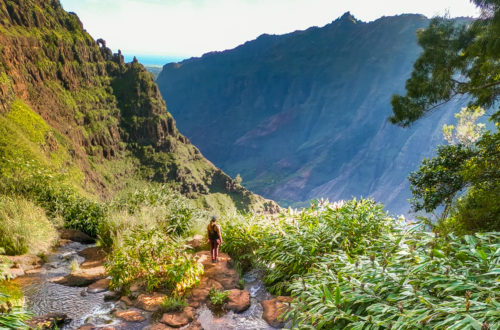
[350, 266]
[24, 227]
[159, 260]
[291, 244]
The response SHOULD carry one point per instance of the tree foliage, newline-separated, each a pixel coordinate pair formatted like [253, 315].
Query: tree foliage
[458, 59]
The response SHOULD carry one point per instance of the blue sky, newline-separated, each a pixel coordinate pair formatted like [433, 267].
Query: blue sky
[179, 29]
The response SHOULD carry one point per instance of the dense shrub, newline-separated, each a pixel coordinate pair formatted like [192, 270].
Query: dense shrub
[291, 244]
[155, 258]
[24, 227]
[407, 279]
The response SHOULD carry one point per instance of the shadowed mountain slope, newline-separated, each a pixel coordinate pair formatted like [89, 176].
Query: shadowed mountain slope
[304, 115]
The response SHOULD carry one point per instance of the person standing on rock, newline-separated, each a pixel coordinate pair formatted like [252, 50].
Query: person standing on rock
[214, 235]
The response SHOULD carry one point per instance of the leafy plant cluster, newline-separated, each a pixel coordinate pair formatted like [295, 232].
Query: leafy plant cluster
[158, 259]
[218, 297]
[291, 244]
[407, 279]
[13, 315]
[173, 303]
[350, 266]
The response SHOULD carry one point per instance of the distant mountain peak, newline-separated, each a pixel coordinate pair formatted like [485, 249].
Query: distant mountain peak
[348, 17]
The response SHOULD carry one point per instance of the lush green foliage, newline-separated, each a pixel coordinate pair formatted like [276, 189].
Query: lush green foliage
[173, 304]
[348, 265]
[24, 227]
[218, 297]
[294, 242]
[155, 258]
[457, 60]
[439, 179]
[13, 315]
[404, 280]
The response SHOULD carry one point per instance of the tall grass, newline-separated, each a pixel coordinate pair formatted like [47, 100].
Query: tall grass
[152, 207]
[24, 227]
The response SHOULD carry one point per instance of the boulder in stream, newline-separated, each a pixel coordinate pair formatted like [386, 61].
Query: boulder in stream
[178, 319]
[238, 300]
[273, 309]
[130, 315]
[150, 302]
[99, 286]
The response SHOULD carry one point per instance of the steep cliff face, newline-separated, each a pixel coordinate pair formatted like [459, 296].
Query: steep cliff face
[69, 104]
[304, 115]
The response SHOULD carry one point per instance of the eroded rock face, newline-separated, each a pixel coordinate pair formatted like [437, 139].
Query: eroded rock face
[238, 300]
[273, 309]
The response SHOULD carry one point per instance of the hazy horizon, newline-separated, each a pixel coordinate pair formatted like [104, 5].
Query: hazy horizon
[180, 29]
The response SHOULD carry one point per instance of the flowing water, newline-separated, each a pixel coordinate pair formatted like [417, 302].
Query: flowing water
[250, 319]
[43, 297]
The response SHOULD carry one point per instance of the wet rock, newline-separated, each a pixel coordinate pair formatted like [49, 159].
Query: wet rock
[84, 293]
[111, 296]
[83, 277]
[48, 321]
[130, 315]
[15, 272]
[158, 326]
[86, 327]
[99, 286]
[238, 300]
[76, 236]
[127, 301]
[194, 326]
[94, 257]
[273, 309]
[178, 319]
[23, 264]
[150, 302]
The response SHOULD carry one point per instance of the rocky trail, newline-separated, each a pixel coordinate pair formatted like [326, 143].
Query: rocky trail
[80, 299]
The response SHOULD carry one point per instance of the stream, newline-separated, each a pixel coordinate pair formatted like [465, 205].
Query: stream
[43, 297]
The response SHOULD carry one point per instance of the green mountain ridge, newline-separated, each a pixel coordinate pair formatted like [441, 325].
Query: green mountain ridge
[72, 108]
[304, 115]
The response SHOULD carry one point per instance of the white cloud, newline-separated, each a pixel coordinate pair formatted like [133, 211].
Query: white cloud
[194, 27]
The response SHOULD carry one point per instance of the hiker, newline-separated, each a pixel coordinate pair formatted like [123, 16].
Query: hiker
[215, 237]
